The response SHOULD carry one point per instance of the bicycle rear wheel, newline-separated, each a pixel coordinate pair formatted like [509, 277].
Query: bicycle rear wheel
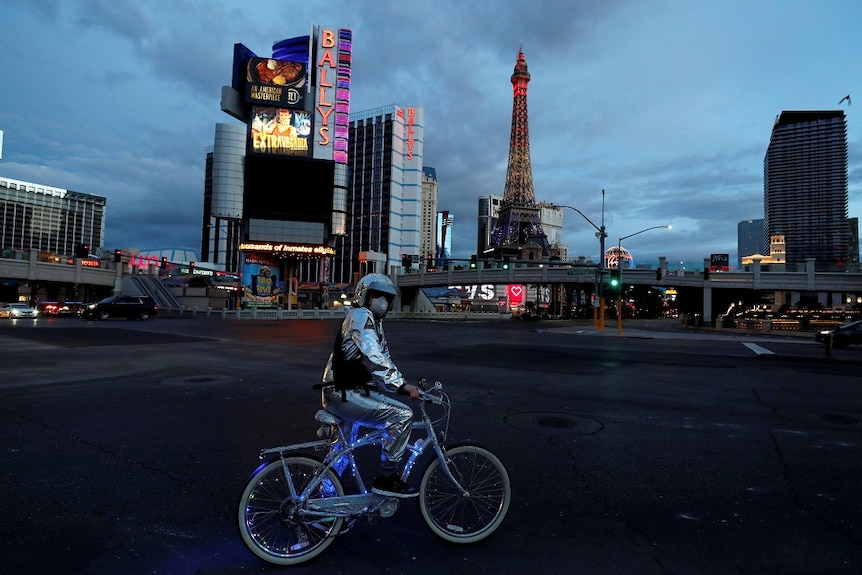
[461, 518]
[269, 518]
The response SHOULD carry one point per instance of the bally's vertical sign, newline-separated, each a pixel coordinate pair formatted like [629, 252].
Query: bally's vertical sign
[332, 98]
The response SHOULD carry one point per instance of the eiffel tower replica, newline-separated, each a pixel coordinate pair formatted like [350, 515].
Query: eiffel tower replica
[518, 231]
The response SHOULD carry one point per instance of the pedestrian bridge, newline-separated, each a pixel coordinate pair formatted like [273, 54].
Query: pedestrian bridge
[73, 271]
[805, 281]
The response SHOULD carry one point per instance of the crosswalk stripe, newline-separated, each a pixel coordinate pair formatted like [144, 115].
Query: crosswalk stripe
[757, 349]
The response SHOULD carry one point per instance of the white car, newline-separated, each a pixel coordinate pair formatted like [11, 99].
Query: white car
[16, 310]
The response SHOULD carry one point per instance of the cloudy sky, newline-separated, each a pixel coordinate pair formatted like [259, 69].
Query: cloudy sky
[667, 105]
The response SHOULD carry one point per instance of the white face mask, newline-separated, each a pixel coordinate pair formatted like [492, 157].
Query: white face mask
[379, 306]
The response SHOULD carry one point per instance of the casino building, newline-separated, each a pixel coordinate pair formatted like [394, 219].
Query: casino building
[48, 219]
[276, 184]
[55, 223]
[302, 194]
[384, 193]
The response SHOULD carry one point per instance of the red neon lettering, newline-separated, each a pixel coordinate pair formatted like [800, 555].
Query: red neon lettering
[411, 120]
[323, 81]
[327, 38]
[326, 59]
[324, 114]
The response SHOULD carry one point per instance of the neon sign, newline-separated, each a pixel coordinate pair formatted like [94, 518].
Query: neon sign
[326, 87]
[515, 293]
[411, 121]
[288, 249]
[333, 94]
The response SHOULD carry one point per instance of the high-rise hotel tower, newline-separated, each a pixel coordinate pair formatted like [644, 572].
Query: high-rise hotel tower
[805, 188]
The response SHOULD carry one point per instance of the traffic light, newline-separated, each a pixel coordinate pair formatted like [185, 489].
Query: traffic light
[705, 273]
[406, 261]
[164, 264]
[82, 250]
[615, 279]
[506, 264]
[118, 256]
[658, 274]
[473, 261]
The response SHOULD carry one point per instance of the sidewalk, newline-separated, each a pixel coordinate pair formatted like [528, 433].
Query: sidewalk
[803, 344]
[671, 329]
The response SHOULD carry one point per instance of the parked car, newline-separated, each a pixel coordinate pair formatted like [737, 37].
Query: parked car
[127, 306]
[843, 335]
[56, 309]
[16, 310]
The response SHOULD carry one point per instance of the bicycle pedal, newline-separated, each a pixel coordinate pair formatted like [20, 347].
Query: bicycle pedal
[388, 507]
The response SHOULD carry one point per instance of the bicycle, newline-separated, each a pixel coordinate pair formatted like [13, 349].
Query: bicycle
[294, 505]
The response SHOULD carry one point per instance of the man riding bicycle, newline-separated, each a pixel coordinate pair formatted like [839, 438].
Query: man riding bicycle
[360, 369]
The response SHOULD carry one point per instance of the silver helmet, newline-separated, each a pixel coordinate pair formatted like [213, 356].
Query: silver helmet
[373, 282]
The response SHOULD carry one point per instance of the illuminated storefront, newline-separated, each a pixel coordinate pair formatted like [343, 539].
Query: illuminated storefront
[270, 272]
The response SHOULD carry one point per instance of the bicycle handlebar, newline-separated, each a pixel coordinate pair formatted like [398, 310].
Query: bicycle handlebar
[429, 394]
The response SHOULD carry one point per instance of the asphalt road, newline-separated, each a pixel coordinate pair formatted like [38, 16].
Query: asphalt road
[126, 446]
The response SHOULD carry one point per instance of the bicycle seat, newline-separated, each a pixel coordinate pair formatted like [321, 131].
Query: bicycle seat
[327, 418]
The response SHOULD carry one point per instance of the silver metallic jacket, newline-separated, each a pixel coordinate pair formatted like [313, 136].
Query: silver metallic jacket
[362, 333]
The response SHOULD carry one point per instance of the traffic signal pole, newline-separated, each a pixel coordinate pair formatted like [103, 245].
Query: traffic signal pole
[601, 234]
[620, 274]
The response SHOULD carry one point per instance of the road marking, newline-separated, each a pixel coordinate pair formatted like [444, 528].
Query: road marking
[757, 349]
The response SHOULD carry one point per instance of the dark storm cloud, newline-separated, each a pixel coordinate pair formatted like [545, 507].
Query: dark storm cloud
[667, 106]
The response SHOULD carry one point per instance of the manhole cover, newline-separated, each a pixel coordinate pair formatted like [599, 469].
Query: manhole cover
[553, 423]
[829, 417]
[557, 422]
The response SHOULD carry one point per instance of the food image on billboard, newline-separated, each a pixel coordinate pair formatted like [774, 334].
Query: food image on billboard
[279, 131]
[275, 82]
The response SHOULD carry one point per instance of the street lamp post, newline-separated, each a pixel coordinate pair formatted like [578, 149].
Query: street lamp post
[620, 271]
[601, 234]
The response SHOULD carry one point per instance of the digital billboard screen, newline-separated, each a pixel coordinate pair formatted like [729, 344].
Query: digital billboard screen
[288, 188]
[279, 131]
[275, 82]
[719, 262]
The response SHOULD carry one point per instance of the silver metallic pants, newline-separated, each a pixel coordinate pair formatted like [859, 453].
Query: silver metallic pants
[377, 410]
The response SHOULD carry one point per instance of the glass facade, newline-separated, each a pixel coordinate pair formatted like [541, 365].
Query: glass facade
[749, 240]
[805, 188]
[47, 219]
[384, 192]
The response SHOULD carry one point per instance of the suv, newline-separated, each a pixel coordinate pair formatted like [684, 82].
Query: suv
[127, 306]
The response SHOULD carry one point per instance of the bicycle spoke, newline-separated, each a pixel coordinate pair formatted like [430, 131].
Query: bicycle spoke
[271, 519]
[473, 514]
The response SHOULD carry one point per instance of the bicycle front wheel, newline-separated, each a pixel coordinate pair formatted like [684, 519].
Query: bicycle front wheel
[454, 515]
[269, 513]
